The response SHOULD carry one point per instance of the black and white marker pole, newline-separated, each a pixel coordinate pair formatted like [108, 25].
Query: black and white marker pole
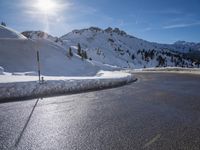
[38, 62]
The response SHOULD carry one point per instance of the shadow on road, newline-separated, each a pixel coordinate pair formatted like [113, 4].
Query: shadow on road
[26, 124]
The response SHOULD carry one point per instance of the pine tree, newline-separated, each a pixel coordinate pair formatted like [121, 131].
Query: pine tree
[85, 55]
[161, 61]
[3, 23]
[79, 50]
[133, 56]
[70, 52]
[82, 55]
[146, 56]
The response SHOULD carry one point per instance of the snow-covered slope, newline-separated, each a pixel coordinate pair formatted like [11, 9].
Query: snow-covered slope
[19, 55]
[184, 46]
[117, 48]
[6, 32]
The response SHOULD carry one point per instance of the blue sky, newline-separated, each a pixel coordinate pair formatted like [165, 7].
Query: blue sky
[152, 20]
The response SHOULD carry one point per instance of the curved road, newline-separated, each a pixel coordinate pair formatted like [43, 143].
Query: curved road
[161, 111]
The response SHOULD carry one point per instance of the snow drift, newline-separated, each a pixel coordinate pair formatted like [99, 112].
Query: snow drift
[28, 87]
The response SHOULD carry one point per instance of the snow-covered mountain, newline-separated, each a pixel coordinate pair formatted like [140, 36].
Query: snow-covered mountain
[108, 49]
[184, 46]
[112, 48]
[116, 47]
[18, 54]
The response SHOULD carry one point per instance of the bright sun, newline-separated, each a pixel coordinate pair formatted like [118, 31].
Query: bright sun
[46, 6]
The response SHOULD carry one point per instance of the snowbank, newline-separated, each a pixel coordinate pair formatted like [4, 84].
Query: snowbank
[31, 73]
[15, 87]
[169, 69]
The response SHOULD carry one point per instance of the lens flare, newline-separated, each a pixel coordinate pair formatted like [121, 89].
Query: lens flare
[46, 6]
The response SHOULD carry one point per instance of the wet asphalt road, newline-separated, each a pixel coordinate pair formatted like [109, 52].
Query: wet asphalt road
[158, 112]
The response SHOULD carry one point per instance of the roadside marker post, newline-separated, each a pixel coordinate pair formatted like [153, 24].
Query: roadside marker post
[38, 62]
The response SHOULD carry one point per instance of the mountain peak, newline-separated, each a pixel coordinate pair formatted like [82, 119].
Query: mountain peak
[97, 29]
[115, 30]
[36, 34]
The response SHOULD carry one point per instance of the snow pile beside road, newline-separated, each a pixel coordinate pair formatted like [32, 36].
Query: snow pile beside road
[31, 73]
[169, 69]
[12, 87]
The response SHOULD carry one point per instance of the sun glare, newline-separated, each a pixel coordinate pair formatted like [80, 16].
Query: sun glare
[46, 6]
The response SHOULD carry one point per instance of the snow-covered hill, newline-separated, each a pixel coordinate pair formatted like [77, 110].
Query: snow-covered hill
[18, 54]
[117, 48]
[6, 32]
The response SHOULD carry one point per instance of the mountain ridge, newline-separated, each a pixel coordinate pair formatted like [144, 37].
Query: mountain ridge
[127, 51]
[112, 30]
